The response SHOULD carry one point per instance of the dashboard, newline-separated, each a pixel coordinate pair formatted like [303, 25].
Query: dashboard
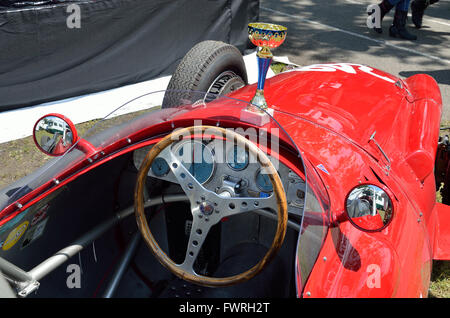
[227, 168]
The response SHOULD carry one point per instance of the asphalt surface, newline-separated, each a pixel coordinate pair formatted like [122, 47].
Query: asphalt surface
[323, 31]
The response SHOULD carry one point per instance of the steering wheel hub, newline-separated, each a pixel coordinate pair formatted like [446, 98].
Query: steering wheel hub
[206, 208]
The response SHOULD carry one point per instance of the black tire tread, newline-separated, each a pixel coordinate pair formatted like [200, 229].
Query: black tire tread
[195, 63]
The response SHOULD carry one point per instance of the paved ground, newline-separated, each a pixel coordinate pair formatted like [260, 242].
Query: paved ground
[321, 31]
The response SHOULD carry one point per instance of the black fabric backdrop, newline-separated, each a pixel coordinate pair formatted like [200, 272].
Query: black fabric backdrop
[119, 42]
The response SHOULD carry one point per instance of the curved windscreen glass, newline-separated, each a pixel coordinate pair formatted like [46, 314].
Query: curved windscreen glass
[152, 115]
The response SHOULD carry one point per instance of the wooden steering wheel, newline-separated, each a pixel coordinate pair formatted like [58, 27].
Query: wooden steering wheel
[208, 207]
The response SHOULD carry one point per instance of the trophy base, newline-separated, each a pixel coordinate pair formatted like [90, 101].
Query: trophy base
[256, 116]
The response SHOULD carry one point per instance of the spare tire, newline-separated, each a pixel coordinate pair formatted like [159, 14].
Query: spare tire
[213, 67]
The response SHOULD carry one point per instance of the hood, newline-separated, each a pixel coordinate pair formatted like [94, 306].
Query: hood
[350, 99]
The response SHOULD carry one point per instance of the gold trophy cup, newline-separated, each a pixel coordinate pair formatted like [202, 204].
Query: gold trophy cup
[265, 36]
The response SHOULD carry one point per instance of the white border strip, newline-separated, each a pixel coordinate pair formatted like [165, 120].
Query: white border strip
[19, 123]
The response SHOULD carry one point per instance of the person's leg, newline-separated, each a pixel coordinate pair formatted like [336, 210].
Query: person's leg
[418, 8]
[398, 28]
[402, 5]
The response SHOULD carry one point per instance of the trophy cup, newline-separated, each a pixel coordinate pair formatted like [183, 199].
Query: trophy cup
[265, 36]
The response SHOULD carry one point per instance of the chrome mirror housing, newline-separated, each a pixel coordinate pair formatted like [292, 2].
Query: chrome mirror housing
[54, 134]
[369, 207]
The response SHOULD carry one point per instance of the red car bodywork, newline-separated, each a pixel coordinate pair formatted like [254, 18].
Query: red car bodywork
[339, 107]
[340, 111]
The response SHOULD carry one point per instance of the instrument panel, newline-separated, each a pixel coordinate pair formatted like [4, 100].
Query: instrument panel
[222, 166]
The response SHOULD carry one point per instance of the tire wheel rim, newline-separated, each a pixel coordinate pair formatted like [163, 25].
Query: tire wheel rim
[225, 83]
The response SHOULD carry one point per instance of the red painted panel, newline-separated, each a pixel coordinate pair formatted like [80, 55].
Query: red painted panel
[442, 233]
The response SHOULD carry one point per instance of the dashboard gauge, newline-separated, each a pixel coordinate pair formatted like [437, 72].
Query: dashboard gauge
[160, 167]
[197, 158]
[263, 182]
[237, 158]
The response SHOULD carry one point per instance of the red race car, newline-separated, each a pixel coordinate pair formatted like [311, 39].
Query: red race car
[328, 192]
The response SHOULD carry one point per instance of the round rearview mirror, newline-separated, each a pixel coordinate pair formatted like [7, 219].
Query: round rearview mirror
[54, 134]
[369, 207]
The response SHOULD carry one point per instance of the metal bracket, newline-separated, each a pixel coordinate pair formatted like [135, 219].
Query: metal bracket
[28, 288]
[388, 166]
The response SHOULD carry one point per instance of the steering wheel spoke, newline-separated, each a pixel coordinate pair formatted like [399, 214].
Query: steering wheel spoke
[199, 232]
[234, 206]
[186, 180]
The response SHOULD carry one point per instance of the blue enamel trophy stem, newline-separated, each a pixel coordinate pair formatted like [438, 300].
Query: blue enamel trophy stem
[263, 67]
[264, 60]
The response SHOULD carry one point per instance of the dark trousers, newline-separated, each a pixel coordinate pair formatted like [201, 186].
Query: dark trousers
[401, 5]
